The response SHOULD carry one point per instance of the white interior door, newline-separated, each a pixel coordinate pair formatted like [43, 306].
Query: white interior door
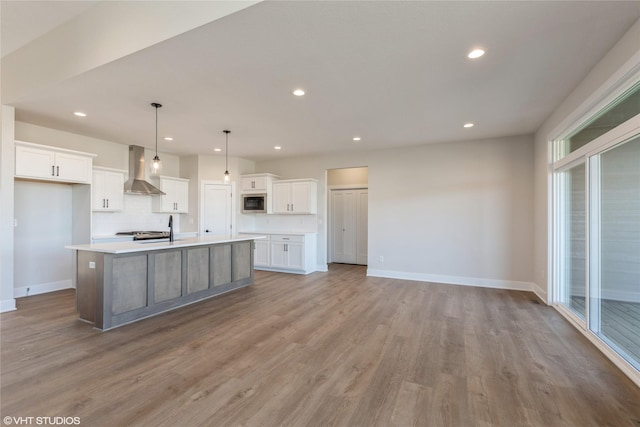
[344, 226]
[217, 210]
[362, 226]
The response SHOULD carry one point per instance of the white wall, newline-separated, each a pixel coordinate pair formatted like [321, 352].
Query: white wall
[348, 176]
[44, 214]
[625, 50]
[458, 212]
[7, 168]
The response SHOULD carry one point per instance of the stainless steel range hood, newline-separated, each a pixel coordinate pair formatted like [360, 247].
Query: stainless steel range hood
[136, 183]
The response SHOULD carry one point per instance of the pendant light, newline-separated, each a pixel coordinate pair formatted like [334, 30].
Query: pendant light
[227, 178]
[156, 165]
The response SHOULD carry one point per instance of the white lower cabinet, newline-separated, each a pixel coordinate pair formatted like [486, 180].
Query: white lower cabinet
[261, 253]
[288, 253]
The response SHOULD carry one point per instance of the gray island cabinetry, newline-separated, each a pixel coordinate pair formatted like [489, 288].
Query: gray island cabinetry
[121, 282]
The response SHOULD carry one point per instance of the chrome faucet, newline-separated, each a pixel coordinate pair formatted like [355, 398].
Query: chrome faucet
[171, 228]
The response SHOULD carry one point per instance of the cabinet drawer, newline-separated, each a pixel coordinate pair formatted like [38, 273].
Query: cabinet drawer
[286, 238]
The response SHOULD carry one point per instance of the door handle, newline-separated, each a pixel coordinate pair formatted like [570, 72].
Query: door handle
[104, 205]
[207, 231]
[107, 202]
[57, 170]
[53, 170]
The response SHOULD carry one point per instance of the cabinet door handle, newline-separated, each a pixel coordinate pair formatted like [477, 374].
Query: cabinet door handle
[107, 203]
[286, 247]
[291, 207]
[53, 170]
[57, 170]
[103, 203]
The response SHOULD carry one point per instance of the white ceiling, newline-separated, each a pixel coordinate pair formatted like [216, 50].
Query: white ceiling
[23, 21]
[394, 73]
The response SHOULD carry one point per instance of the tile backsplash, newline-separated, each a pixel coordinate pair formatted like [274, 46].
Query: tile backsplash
[136, 216]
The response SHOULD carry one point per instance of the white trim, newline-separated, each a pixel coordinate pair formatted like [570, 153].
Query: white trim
[7, 305]
[593, 247]
[322, 268]
[618, 83]
[620, 133]
[42, 288]
[542, 296]
[103, 168]
[53, 148]
[348, 187]
[454, 280]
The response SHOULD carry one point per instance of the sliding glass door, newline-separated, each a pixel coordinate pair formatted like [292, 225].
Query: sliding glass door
[573, 233]
[597, 225]
[615, 248]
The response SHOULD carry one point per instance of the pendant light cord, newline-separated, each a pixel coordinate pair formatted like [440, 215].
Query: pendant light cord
[156, 130]
[226, 151]
[156, 106]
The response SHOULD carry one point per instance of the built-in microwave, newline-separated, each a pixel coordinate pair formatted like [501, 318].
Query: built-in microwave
[254, 203]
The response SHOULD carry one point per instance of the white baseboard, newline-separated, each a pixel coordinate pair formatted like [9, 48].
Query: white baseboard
[454, 280]
[542, 295]
[42, 288]
[7, 305]
[322, 267]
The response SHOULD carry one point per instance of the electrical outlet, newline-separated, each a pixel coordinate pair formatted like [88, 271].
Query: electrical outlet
[92, 264]
[381, 258]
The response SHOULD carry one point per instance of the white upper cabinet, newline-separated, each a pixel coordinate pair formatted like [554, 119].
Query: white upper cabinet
[176, 199]
[257, 183]
[295, 196]
[107, 190]
[52, 164]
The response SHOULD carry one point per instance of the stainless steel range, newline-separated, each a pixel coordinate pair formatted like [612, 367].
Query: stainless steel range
[146, 235]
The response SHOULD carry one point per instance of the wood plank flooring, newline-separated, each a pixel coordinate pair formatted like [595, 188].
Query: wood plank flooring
[620, 323]
[327, 349]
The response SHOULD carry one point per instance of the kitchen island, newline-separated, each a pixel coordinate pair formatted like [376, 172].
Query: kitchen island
[122, 282]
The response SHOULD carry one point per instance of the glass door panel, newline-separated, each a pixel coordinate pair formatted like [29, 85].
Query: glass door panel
[615, 259]
[572, 238]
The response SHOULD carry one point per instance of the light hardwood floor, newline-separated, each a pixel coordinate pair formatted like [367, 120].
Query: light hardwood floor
[333, 348]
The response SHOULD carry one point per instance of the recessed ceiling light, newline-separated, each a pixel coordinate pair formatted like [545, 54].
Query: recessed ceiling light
[277, 147]
[298, 92]
[468, 125]
[80, 114]
[475, 53]
[356, 138]
[217, 149]
[168, 138]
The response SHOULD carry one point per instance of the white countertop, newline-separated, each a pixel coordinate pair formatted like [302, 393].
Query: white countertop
[291, 232]
[143, 246]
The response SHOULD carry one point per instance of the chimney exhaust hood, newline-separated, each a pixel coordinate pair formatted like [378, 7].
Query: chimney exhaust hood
[136, 183]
